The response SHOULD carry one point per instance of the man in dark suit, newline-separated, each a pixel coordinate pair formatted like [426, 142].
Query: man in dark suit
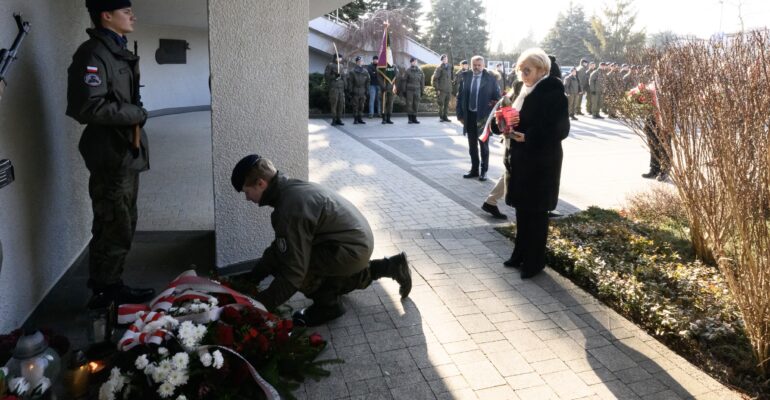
[475, 99]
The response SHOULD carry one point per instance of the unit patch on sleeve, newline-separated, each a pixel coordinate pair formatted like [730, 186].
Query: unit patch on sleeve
[92, 80]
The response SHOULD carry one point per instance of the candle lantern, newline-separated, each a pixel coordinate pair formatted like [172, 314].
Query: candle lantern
[78, 376]
[33, 360]
[101, 325]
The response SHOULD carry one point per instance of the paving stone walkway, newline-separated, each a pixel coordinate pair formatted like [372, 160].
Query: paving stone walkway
[472, 328]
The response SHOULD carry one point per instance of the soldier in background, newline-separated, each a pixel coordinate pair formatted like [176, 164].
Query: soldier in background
[335, 81]
[388, 91]
[500, 77]
[358, 84]
[582, 77]
[613, 89]
[457, 83]
[415, 85]
[572, 90]
[442, 83]
[587, 88]
[596, 86]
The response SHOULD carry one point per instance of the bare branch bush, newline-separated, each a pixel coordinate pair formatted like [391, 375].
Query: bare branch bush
[366, 33]
[713, 104]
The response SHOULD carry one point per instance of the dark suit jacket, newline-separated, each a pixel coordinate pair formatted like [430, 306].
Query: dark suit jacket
[489, 93]
[534, 166]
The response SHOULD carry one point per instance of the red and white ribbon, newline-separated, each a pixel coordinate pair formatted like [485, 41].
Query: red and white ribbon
[149, 328]
[270, 392]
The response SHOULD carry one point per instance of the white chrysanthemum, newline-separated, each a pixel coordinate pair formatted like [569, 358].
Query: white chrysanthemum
[178, 377]
[107, 391]
[20, 386]
[206, 358]
[162, 351]
[141, 362]
[181, 360]
[213, 301]
[182, 310]
[160, 373]
[181, 397]
[218, 359]
[166, 389]
[117, 379]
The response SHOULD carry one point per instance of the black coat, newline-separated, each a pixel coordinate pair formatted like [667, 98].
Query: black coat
[489, 94]
[534, 166]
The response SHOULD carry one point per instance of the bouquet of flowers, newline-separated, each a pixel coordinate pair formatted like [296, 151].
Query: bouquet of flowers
[642, 98]
[201, 340]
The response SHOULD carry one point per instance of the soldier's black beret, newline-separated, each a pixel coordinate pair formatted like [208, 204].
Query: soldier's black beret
[241, 169]
[412, 59]
[583, 60]
[358, 58]
[375, 57]
[106, 5]
[464, 62]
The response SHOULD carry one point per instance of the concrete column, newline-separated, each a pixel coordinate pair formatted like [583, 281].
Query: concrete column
[259, 58]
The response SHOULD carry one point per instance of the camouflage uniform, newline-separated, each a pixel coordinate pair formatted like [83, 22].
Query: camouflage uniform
[596, 85]
[587, 89]
[103, 92]
[415, 84]
[358, 84]
[336, 81]
[442, 82]
[582, 76]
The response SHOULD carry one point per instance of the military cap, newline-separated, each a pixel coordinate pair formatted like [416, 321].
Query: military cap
[241, 169]
[375, 57]
[358, 58]
[603, 63]
[412, 59]
[443, 56]
[583, 60]
[464, 62]
[106, 5]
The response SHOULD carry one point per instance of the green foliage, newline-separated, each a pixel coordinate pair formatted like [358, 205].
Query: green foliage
[459, 29]
[566, 38]
[614, 37]
[427, 71]
[635, 268]
[318, 94]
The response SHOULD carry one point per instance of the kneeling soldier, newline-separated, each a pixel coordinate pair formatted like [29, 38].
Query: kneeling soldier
[322, 243]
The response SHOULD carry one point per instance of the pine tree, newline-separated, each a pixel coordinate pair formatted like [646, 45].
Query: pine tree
[352, 11]
[566, 40]
[458, 29]
[614, 35]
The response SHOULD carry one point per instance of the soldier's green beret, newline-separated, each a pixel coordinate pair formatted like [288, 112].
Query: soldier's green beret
[241, 169]
[106, 5]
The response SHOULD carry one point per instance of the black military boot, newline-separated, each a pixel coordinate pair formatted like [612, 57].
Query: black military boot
[384, 119]
[414, 119]
[334, 121]
[396, 268]
[355, 120]
[361, 120]
[651, 175]
[411, 120]
[339, 122]
[317, 314]
[119, 294]
[388, 121]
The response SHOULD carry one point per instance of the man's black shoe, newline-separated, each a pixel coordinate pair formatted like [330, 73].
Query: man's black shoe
[493, 210]
[470, 175]
[119, 294]
[316, 314]
[483, 177]
[650, 175]
[662, 177]
[401, 273]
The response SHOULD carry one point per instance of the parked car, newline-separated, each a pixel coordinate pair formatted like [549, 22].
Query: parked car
[565, 70]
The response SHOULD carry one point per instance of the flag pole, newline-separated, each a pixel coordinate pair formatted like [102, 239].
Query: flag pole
[337, 57]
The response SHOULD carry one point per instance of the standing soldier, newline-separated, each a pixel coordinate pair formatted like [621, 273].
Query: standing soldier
[582, 77]
[358, 85]
[587, 88]
[415, 84]
[442, 82]
[500, 71]
[596, 85]
[612, 89]
[388, 91]
[457, 83]
[103, 93]
[335, 80]
[572, 90]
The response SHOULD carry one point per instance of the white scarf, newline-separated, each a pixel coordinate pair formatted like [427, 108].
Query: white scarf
[525, 91]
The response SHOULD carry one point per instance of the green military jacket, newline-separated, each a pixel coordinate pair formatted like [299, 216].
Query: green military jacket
[571, 85]
[386, 86]
[318, 233]
[103, 92]
[358, 81]
[582, 75]
[442, 79]
[334, 79]
[415, 79]
[596, 81]
[457, 83]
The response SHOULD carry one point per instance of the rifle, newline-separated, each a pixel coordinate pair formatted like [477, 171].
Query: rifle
[136, 139]
[7, 56]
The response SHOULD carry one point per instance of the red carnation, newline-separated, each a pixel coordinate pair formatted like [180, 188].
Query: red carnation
[264, 344]
[316, 339]
[254, 318]
[224, 335]
[281, 337]
[231, 316]
[253, 332]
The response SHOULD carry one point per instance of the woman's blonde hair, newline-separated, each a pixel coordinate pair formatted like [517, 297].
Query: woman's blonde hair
[537, 57]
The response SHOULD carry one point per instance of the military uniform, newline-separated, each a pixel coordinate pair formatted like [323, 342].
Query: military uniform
[613, 86]
[457, 83]
[387, 94]
[596, 85]
[103, 93]
[587, 87]
[322, 247]
[572, 90]
[582, 77]
[442, 82]
[335, 81]
[415, 84]
[358, 84]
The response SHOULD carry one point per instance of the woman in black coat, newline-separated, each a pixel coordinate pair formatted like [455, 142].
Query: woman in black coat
[534, 159]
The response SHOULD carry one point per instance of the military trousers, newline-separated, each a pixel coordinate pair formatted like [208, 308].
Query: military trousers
[443, 97]
[589, 100]
[325, 288]
[359, 102]
[597, 104]
[113, 199]
[412, 101]
[337, 102]
[387, 101]
[579, 103]
[573, 105]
